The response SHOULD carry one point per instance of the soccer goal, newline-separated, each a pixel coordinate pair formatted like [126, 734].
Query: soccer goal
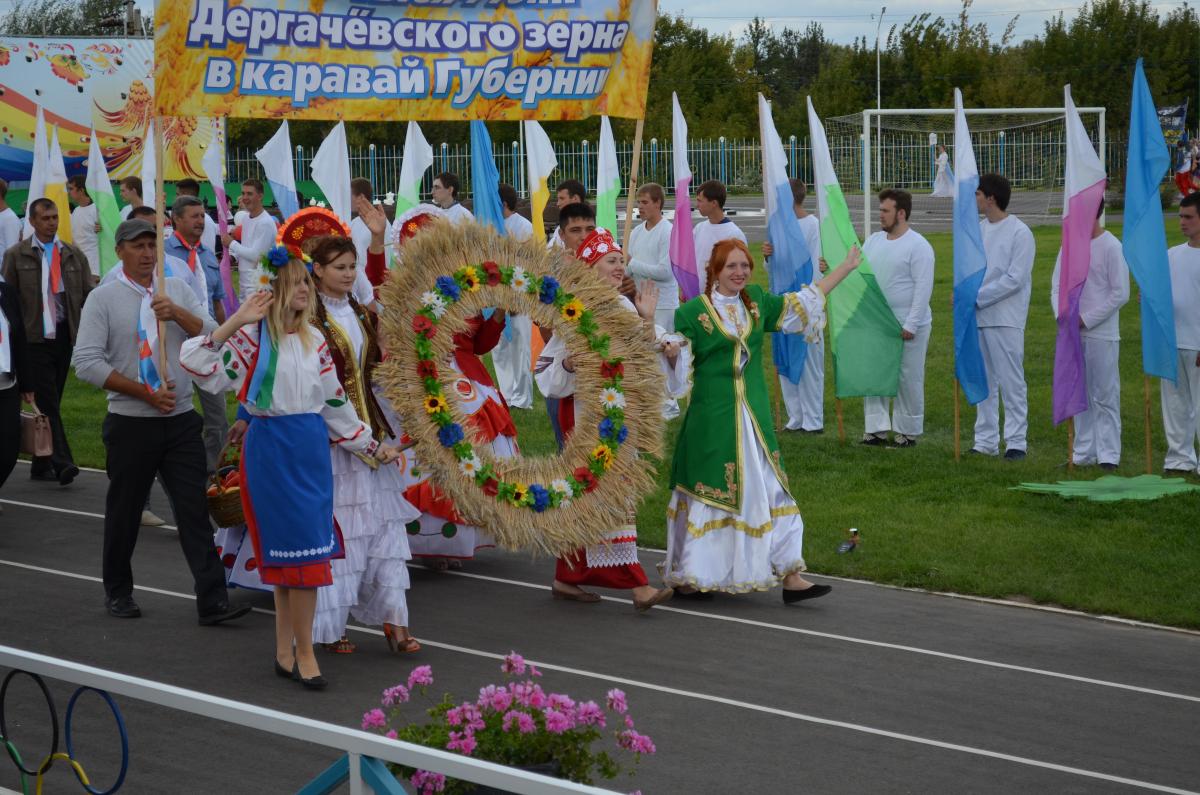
[899, 147]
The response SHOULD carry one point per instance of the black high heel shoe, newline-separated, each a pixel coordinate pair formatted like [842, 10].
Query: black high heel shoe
[813, 591]
[317, 682]
[284, 672]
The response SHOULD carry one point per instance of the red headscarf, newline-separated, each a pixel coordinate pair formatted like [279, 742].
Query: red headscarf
[596, 245]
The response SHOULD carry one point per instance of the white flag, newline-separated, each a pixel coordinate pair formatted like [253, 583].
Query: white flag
[149, 168]
[418, 157]
[331, 171]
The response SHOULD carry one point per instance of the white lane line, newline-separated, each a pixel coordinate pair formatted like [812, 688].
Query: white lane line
[798, 631]
[88, 514]
[713, 699]
[861, 641]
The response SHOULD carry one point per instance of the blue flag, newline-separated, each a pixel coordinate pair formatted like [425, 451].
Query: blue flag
[485, 179]
[1145, 243]
[791, 266]
[970, 263]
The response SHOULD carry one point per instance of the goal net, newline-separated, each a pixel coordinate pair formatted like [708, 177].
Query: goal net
[899, 148]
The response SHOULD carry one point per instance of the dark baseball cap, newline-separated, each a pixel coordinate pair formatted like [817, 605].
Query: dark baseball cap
[135, 228]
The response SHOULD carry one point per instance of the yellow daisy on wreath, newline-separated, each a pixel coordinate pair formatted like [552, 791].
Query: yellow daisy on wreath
[470, 279]
[572, 309]
[603, 454]
[434, 404]
[519, 493]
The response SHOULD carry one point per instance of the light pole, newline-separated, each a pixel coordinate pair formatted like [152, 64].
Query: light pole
[878, 94]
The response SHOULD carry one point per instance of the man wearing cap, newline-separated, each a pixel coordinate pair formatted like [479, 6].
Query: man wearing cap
[150, 427]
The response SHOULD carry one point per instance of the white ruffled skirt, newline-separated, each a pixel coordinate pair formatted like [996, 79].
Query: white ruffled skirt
[717, 550]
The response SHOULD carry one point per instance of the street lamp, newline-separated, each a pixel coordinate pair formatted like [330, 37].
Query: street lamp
[878, 93]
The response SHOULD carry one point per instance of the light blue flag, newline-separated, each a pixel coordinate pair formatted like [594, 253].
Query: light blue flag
[276, 160]
[790, 266]
[1145, 243]
[485, 179]
[970, 263]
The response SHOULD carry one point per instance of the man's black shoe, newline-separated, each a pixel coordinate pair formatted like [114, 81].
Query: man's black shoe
[67, 474]
[123, 607]
[48, 475]
[1014, 455]
[1109, 467]
[223, 612]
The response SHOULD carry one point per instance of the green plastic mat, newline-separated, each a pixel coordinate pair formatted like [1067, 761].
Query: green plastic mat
[1111, 488]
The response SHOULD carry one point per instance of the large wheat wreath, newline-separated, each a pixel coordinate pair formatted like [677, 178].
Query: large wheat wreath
[552, 504]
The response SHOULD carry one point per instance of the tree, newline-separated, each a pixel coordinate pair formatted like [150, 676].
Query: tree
[69, 18]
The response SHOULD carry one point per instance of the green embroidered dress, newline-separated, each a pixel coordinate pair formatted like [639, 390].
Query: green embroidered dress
[732, 525]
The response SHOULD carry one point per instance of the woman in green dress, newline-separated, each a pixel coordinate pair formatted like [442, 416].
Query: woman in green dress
[732, 525]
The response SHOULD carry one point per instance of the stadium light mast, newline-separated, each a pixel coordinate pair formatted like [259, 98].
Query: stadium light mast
[878, 93]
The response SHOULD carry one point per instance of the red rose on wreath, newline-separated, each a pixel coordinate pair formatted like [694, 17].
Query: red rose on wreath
[423, 325]
[614, 370]
[493, 273]
[427, 369]
[491, 487]
[585, 476]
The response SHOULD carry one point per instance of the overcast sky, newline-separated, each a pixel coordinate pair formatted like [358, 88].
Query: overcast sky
[846, 20]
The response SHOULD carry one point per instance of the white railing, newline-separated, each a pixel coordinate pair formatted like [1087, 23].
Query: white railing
[359, 746]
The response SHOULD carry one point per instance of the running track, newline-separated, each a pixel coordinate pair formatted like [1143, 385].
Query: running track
[872, 689]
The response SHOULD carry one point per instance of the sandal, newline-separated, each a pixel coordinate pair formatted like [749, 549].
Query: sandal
[583, 596]
[399, 641]
[660, 596]
[343, 646]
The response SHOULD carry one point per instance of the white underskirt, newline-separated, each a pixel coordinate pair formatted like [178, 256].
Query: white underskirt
[737, 552]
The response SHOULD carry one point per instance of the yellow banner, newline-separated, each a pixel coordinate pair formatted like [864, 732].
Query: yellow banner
[390, 60]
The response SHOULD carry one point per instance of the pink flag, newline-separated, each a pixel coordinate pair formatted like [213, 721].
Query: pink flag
[683, 246]
[214, 168]
[1082, 194]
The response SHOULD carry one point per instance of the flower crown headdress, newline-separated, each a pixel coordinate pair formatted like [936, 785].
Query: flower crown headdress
[307, 223]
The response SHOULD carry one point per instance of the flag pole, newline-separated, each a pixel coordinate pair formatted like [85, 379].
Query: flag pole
[957, 446]
[160, 280]
[631, 191]
[1071, 444]
[1146, 407]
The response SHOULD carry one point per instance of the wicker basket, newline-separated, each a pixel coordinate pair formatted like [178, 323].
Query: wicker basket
[225, 506]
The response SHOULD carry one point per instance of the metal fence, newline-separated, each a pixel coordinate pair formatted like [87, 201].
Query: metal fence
[1031, 158]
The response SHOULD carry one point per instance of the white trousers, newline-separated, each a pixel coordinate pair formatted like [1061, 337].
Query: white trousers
[1098, 430]
[908, 417]
[805, 401]
[666, 319]
[1004, 357]
[511, 359]
[1181, 414]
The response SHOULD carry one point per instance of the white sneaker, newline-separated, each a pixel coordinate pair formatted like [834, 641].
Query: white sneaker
[151, 519]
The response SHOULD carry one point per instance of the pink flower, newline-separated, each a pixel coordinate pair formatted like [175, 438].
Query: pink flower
[428, 782]
[391, 734]
[454, 716]
[527, 694]
[395, 695]
[501, 700]
[616, 701]
[513, 664]
[421, 675]
[628, 721]
[561, 701]
[630, 740]
[523, 720]
[558, 722]
[464, 742]
[375, 719]
[533, 671]
[589, 713]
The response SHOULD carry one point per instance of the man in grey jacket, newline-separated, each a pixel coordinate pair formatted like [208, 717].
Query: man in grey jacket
[151, 427]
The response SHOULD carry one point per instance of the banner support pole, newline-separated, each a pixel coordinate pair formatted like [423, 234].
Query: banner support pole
[957, 424]
[160, 253]
[631, 190]
[1146, 413]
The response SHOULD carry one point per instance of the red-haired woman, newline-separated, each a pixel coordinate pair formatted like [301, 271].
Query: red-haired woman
[732, 525]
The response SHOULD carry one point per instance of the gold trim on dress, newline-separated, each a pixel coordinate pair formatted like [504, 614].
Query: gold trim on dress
[705, 321]
[733, 523]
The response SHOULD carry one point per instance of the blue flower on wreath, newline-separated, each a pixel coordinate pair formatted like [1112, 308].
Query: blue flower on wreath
[549, 290]
[450, 435]
[623, 434]
[607, 428]
[448, 287]
[541, 497]
[278, 256]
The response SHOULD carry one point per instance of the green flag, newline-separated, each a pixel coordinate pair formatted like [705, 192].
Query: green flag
[863, 331]
[107, 214]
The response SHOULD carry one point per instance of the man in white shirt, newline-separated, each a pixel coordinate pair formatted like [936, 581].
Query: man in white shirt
[1181, 400]
[512, 356]
[10, 224]
[649, 258]
[445, 195]
[569, 191]
[131, 194]
[903, 264]
[362, 291]
[190, 187]
[1000, 312]
[254, 235]
[84, 222]
[1098, 430]
[716, 226]
[805, 401]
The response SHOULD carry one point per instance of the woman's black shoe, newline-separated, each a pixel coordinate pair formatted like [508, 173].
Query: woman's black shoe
[812, 592]
[285, 673]
[317, 682]
[695, 596]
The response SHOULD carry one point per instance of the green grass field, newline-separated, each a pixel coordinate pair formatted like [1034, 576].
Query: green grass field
[928, 522]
